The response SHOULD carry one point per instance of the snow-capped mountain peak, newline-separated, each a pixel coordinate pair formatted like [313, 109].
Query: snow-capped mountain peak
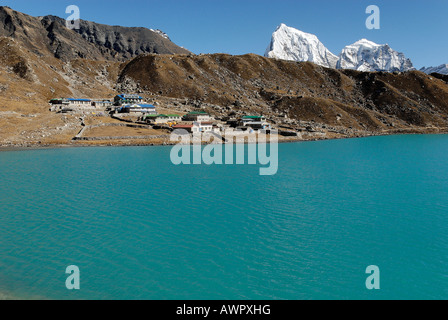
[291, 44]
[442, 69]
[365, 55]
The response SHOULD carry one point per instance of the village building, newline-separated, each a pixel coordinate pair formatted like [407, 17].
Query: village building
[61, 101]
[233, 123]
[70, 104]
[217, 129]
[198, 127]
[102, 104]
[187, 127]
[143, 108]
[60, 105]
[202, 126]
[162, 118]
[127, 99]
[255, 122]
[198, 116]
[80, 103]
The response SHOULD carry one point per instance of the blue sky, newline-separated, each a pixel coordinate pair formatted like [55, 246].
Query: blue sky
[417, 28]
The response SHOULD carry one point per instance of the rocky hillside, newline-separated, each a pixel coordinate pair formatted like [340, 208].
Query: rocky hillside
[292, 92]
[121, 42]
[49, 36]
[40, 59]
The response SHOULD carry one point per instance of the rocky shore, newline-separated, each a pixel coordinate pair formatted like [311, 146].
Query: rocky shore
[166, 142]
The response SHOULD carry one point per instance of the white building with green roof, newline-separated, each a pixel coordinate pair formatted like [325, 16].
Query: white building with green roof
[255, 122]
[162, 118]
[198, 116]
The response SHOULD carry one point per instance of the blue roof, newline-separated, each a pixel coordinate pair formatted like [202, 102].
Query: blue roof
[146, 105]
[129, 96]
[84, 100]
[143, 106]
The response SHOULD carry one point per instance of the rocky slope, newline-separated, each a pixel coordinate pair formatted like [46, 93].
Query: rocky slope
[49, 36]
[295, 96]
[122, 42]
[292, 92]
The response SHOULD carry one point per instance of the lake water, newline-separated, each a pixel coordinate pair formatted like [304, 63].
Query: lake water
[139, 227]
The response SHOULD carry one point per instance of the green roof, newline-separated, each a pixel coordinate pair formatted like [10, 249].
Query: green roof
[252, 117]
[197, 112]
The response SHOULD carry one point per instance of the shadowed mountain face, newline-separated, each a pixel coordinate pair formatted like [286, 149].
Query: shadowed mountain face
[443, 77]
[49, 36]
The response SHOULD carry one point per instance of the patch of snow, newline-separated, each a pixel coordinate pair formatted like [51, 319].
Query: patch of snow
[161, 33]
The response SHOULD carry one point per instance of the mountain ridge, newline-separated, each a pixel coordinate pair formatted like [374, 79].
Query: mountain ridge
[366, 55]
[289, 43]
[442, 69]
[321, 103]
[93, 40]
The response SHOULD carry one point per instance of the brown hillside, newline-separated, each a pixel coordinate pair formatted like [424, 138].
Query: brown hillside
[301, 91]
[40, 60]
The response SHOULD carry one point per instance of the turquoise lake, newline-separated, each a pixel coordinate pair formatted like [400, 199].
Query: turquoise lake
[139, 227]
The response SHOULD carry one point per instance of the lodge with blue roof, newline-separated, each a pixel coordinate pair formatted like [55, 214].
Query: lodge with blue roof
[71, 101]
[123, 99]
[70, 104]
[143, 108]
[125, 103]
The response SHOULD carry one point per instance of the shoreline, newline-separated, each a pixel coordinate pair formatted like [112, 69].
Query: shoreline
[124, 143]
[7, 297]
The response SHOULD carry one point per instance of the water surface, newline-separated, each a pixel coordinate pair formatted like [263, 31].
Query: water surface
[139, 227]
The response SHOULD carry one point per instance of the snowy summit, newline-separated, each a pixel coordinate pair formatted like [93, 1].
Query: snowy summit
[442, 69]
[365, 55]
[291, 44]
